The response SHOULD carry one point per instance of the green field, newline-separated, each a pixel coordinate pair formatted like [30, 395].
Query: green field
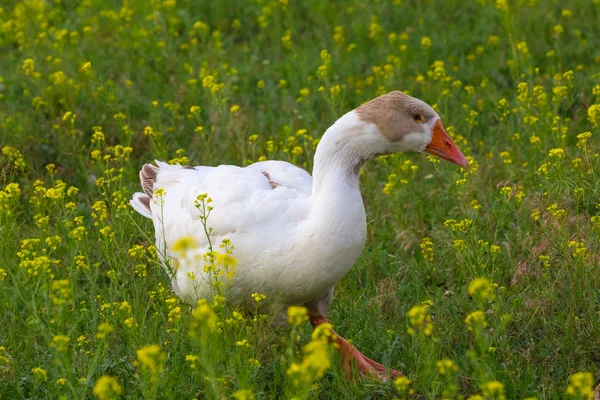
[498, 265]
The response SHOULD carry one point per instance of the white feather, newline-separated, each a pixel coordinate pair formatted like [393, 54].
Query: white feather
[293, 237]
[138, 206]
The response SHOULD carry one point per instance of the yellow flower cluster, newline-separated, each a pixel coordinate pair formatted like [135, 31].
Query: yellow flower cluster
[286, 39]
[159, 196]
[316, 359]
[174, 309]
[476, 321]
[60, 343]
[243, 394]
[323, 69]
[579, 250]
[210, 82]
[594, 114]
[107, 388]
[481, 289]
[458, 226]
[204, 317]
[402, 385]
[14, 157]
[104, 329]
[493, 390]
[183, 245]
[39, 373]
[258, 298]
[420, 320]
[9, 198]
[581, 386]
[179, 159]
[297, 315]
[446, 367]
[555, 211]
[427, 249]
[151, 360]
[99, 212]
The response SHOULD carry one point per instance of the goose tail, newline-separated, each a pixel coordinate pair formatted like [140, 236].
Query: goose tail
[141, 201]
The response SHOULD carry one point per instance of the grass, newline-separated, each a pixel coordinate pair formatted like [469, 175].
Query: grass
[91, 90]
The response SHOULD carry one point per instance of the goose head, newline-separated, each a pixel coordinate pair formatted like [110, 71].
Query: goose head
[403, 123]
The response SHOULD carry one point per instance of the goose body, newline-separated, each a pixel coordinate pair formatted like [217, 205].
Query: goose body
[294, 236]
[289, 245]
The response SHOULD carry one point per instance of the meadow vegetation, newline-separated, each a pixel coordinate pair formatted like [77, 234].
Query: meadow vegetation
[481, 284]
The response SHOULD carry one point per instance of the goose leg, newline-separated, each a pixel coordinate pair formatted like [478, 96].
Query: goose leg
[350, 355]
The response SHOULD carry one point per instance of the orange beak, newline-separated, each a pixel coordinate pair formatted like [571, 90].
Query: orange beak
[442, 146]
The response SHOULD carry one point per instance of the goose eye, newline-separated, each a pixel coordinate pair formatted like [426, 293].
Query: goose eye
[418, 118]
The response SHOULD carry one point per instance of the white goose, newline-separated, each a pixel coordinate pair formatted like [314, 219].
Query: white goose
[294, 235]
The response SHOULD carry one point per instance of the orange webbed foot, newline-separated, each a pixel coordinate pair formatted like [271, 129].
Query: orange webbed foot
[350, 355]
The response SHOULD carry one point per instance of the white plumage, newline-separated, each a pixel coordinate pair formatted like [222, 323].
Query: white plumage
[294, 236]
[289, 245]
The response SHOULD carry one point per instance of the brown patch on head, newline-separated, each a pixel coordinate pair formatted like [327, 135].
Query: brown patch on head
[393, 114]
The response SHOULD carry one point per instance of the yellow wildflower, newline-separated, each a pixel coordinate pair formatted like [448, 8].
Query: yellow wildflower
[459, 244]
[582, 139]
[420, 320]
[297, 315]
[14, 157]
[556, 153]
[594, 114]
[243, 394]
[28, 66]
[60, 343]
[39, 373]
[183, 244]
[316, 359]
[481, 289]
[446, 366]
[580, 385]
[107, 388]
[476, 320]
[578, 248]
[192, 360]
[86, 66]
[286, 39]
[203, 314]
[60, 291]
[427, 249]
[402, 384]
[522, 47]
[151, 359]
[258, 298]
[493, 390]
[104, 329]
[254, 362]
[555, 211]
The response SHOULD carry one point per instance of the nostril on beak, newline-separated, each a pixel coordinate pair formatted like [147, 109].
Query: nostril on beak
[448, 145]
